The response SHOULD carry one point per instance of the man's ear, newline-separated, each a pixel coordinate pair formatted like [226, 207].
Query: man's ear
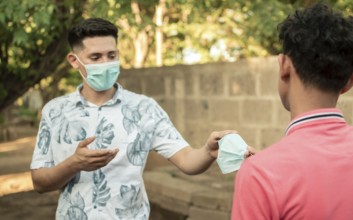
[71, 58]
[348, 85]
[285, 64]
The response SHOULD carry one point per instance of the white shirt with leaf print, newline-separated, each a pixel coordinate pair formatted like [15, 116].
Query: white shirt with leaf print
[134, 123]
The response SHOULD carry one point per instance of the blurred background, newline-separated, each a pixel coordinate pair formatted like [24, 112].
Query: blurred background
[210, 64]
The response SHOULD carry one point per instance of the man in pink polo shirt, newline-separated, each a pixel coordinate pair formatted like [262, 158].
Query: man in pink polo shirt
[308, 174]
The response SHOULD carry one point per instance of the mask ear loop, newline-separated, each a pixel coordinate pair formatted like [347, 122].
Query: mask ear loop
[83, 66]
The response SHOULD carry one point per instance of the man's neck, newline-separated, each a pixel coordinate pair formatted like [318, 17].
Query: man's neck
[311, 99]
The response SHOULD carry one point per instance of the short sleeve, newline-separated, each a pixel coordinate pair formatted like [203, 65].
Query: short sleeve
[42, 155]
[167, 139]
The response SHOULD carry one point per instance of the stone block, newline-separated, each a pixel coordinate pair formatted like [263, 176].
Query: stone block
[196, 109]
[159, 213]
[191, 133]
[154, 85]
[152, 181]
[241, 84]
[257, 112]
[225, 111]
[211, 84]
[270, 136]
[213, 199]
[166, 185]
[192, 82]
[131, 84]
[175, 205]
[180, 189]
[268, 82]
[202, 214]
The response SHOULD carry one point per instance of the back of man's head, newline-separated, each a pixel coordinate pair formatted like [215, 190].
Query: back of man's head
[320, 43]
[92, 27]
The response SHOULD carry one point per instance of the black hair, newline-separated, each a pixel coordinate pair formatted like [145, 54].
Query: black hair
[91, 27]
[319, 42]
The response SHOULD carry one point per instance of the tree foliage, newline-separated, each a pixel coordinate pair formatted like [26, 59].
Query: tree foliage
[32, 42]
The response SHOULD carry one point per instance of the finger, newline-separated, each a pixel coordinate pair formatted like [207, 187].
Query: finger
[217, 135]
[101, 161]
[86, 141]
[102, 153]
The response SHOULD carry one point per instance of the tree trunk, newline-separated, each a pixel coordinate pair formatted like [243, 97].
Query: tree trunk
[159, 32]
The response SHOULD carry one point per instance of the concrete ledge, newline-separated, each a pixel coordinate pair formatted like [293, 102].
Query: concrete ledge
[205, 196]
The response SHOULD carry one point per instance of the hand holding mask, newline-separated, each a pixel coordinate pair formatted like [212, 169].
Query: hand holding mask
[232, 149]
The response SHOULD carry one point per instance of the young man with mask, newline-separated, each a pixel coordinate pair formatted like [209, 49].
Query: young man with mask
[93, 144]
[308, 173]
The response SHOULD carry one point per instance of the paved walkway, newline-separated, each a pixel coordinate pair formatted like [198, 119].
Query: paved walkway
[17, 198]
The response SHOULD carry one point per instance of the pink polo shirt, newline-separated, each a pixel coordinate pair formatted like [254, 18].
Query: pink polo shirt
[308, 174]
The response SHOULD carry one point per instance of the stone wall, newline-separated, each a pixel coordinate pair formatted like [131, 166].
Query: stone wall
[200, 99]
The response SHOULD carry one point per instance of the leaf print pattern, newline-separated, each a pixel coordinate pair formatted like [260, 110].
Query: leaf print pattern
[44, 137]
[170, 132]
[73, 181]
[131, 117]
[67, 124]
[145, 117]
[131, 197]
[137, 151]
[101, 193]
[75, 212]
[72, 208]
[104, 134]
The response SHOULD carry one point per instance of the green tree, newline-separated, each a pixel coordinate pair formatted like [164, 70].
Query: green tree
[32, 42]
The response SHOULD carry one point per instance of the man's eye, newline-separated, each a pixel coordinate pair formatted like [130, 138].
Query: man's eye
[94, 58]
[112, 56]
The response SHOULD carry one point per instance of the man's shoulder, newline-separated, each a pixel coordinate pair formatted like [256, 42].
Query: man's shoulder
[274, 153]
[58, 101]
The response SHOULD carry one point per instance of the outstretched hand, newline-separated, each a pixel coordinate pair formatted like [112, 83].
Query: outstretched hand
[88, 160]
[211, 145]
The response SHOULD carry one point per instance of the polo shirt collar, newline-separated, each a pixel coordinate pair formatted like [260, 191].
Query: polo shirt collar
[319, 115]
[80, 100]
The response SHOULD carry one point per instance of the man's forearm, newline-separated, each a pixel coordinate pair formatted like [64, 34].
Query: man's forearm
[53, 178]
[193, 160]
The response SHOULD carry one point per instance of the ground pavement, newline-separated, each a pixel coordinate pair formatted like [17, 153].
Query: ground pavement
[17, 199]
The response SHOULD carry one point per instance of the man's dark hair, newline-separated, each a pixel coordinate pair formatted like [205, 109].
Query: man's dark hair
[320, 43]
[92, 27]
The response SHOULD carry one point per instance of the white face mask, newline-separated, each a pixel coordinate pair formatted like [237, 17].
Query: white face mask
[231, 153]
[101, 76]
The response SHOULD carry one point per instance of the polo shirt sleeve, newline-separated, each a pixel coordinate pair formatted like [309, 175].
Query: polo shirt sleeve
[254, 196]
[167, 140]
[42, 155]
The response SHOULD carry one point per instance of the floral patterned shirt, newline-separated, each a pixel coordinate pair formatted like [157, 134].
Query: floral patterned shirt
[134, 123]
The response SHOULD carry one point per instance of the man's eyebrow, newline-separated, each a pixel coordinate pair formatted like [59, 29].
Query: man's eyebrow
[95, 54]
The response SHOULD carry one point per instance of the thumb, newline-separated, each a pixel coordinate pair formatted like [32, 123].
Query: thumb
[86, 142]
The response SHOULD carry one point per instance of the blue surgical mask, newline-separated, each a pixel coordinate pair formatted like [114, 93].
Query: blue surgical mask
[232, 149]
[101, 76]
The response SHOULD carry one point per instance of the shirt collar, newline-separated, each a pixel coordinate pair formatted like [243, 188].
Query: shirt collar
[328, 114]
[80, 100]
